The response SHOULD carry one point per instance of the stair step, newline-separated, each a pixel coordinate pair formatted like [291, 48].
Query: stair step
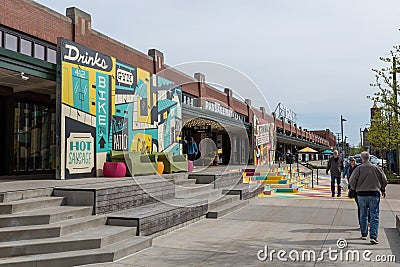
[275, 181]
[192, 189]
[88, 239]
[286, 190]
[184, 182]
[227, 208]
[30, 204]
[51, 230]
[25, 194]
[210, 193]
[222, 201]
[109, 253]
[281, 186]
[44, 216]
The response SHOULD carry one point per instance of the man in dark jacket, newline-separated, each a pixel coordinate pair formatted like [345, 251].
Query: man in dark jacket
[368, 180]
[335, 166]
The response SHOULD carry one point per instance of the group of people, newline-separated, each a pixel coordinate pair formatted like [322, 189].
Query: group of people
[190, 148]
[367, 183]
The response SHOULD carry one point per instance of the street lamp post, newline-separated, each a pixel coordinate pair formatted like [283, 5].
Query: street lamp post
[341, 128]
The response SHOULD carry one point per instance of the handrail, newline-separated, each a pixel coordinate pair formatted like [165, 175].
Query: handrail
[310, 167]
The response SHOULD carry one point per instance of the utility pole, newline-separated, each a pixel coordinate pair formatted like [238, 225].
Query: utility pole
[361, 138]
[395, 110]
[341, 127]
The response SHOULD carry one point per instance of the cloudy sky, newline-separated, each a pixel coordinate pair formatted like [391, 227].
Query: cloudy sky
[313, 56]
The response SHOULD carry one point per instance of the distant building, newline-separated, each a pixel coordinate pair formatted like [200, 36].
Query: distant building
[328, 135]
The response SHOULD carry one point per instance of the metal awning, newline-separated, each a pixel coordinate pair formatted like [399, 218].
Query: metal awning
[18, 62]
[196, 112]
[296, 141]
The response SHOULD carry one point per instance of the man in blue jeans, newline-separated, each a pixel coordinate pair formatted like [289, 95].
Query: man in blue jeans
[335, 166]
[369, 181]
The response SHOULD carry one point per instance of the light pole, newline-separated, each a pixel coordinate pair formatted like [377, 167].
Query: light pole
[341, 128]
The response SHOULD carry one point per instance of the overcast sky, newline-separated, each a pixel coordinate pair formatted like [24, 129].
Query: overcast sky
[313, 56]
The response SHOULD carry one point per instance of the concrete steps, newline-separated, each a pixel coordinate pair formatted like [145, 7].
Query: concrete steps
[108, 253]
[89, 239]
[40, 231]
[44, 216]
[30, 204]
[51, 230]
[226, 209]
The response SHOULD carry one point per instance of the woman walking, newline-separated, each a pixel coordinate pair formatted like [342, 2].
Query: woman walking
[193, 149]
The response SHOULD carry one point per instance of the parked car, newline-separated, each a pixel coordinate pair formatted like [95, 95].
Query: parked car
[374, 160]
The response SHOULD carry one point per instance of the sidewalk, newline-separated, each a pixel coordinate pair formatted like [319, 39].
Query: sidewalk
[281, 223]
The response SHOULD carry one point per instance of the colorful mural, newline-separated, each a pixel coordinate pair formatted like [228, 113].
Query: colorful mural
[264, 141]
[107, 105]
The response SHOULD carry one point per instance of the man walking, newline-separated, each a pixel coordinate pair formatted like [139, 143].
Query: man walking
[335, 165]
[368, 181]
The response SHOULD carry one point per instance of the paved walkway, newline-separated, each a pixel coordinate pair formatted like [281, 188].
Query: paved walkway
[281, 223]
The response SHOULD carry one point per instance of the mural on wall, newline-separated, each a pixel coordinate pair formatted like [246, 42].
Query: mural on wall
[107, 105]
[264, 141]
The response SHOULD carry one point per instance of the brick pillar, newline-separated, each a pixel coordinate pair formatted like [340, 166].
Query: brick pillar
[81, 23]
[201, 83]
[249, 110]
[262, 109]
[158, 59]
[229, 96]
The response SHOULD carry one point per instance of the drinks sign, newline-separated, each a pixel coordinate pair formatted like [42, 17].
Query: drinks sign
[80, 153]
[83, 56]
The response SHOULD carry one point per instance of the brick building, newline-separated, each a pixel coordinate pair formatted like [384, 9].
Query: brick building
[48, 92]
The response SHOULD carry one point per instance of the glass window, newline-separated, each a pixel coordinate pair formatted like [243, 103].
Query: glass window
[25, 47]
[39, 51]
[51, 55]
[11, 42]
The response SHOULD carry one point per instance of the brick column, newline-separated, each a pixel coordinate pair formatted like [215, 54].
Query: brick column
[158, 59]
[81, 23]
[201, 82]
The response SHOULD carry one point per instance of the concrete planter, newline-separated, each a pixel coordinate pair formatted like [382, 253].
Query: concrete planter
[393, 181]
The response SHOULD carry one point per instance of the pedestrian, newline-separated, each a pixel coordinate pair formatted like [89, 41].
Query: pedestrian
[185, 144]
[368, 180]
[348, 170]
[289, 157]
[335, 166]
[193, 149]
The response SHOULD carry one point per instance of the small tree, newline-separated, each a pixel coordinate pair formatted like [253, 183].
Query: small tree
[384, 130]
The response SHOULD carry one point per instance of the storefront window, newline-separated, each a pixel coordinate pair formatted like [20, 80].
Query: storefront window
[51, 55]
[39, 51]
[25, 47]
[34, 138]
[11, 42]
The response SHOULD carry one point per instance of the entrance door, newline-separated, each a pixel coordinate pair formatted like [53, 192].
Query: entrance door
[34, 138]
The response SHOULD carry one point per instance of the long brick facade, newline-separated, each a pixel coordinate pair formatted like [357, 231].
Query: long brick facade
[41, 22]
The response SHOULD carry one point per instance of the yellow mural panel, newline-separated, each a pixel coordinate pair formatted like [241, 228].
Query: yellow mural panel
[143, 78]
[142, 142]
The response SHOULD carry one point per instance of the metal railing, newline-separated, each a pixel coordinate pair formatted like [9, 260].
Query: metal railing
[306, 165]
